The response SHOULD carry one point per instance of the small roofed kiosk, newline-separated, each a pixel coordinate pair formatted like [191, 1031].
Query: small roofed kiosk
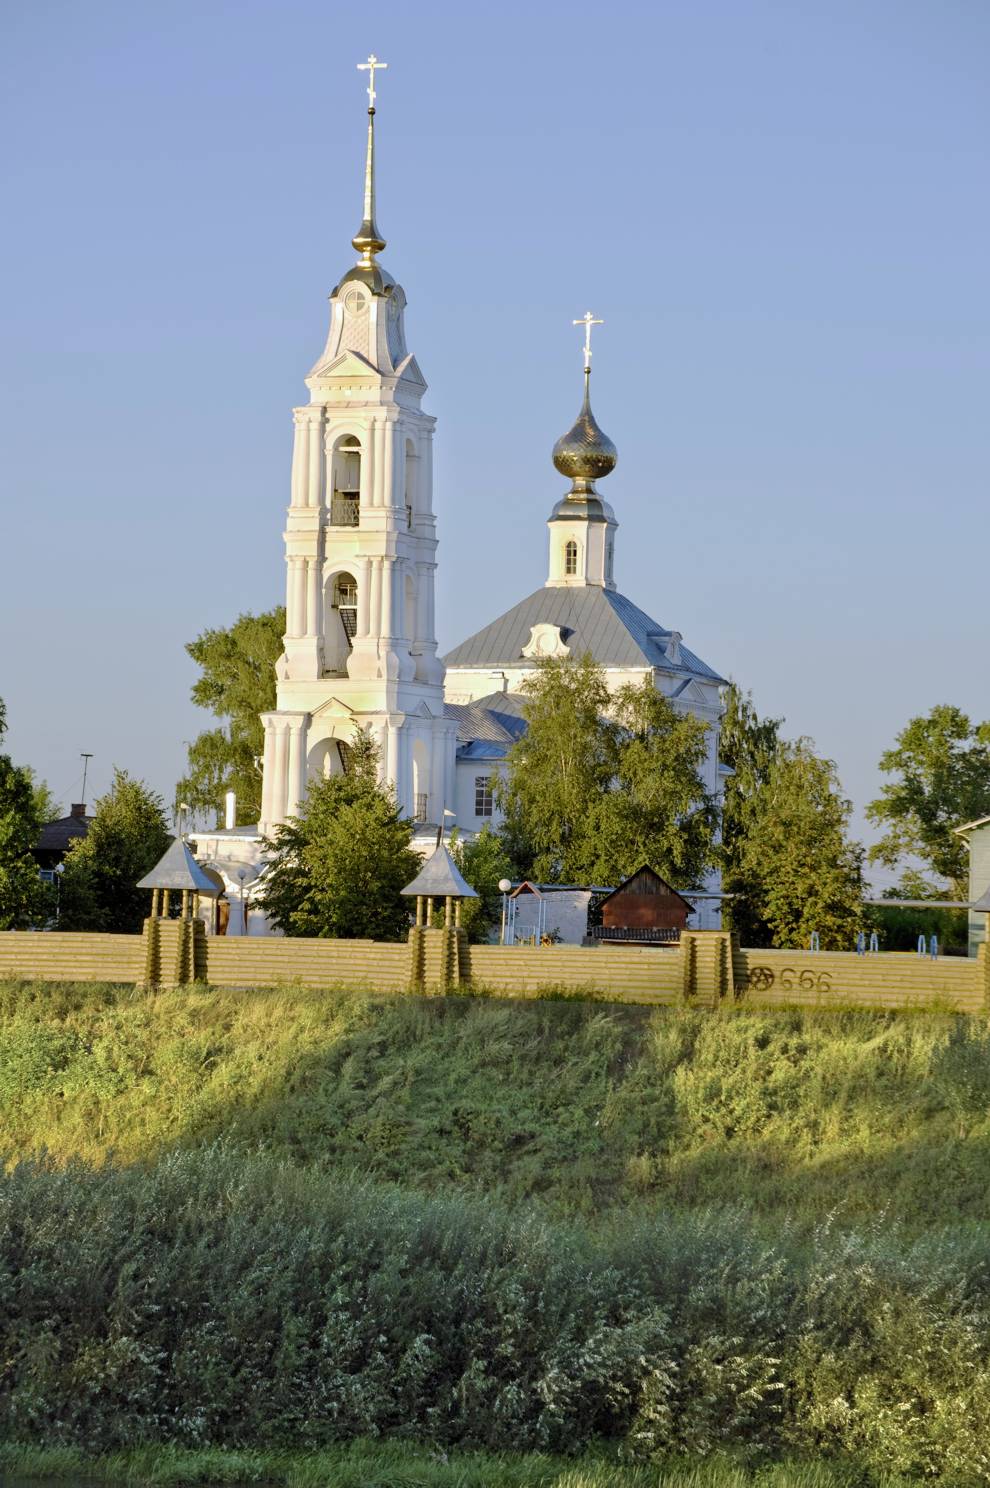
[177, 873]
[439, 878]
[644, 908]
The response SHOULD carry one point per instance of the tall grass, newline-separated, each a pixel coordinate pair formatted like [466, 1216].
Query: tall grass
[589, 1110]
[215, 1299]
[367, 1464]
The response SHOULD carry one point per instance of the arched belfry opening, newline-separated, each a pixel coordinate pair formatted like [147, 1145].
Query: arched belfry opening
[345, 482]
[570, 559]
[344, 600]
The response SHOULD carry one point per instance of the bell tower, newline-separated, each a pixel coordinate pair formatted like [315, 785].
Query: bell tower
[360, 549]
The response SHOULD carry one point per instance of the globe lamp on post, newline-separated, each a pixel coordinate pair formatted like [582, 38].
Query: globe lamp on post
[505, 887]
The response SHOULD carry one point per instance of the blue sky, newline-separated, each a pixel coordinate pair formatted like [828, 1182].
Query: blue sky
[779, 207]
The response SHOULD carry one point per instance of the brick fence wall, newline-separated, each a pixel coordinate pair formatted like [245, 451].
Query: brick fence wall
[706, 969]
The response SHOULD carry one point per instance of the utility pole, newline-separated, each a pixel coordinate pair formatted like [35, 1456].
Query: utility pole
[85, 759]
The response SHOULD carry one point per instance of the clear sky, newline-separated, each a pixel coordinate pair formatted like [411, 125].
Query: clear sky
[779, 207]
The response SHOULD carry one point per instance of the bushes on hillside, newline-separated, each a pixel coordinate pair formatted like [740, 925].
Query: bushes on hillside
[220, 1299]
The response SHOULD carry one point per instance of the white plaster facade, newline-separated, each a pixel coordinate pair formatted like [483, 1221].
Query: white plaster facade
[360, 550]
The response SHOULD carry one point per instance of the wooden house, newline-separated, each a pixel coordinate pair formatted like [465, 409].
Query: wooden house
[644, 908]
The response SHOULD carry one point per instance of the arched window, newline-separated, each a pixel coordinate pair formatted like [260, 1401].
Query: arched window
[345, 603]
[345, 483]
[570, 558]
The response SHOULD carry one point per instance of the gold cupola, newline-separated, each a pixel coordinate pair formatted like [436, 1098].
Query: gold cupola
[585, 453]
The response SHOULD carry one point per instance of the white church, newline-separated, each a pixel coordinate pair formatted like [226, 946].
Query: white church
[361, 557]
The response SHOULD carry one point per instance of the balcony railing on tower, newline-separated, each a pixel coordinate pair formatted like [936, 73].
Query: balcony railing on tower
[345, 509]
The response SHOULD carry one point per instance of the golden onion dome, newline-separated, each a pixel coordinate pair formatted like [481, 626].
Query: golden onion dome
[585, 454]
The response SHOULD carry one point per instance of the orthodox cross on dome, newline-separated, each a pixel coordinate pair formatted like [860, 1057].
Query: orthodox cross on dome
[368, 239]
[370, 68]
[587, 320]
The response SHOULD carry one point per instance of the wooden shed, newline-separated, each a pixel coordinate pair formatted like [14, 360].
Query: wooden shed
[643, 908]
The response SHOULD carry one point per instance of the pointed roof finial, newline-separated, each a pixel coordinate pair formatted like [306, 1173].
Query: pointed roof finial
[368, 240]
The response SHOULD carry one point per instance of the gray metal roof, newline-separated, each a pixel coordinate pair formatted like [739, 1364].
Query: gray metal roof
[440, 875]
[489, 726]
[178, 869]
[596, 620]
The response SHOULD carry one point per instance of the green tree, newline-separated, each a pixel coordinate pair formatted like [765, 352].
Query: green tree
[656, 809]
[483, 861]
[942, 767]
[24, 899]
[237, 684]
[599, 784]
[338, 868]
[127, 836]
[795, 867]
[750, 745]
[564, 761]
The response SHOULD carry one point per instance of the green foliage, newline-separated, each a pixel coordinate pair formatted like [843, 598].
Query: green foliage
[898, 929]
[215, 1299]
[484, 862]
[337, 870]
[24, 899]
[126, 838]
[401, 1464]
[787, 857]
[237, 684]
[584, 1108]
[942, 767]
[749, 745]
[961, 1073]
[600, 785]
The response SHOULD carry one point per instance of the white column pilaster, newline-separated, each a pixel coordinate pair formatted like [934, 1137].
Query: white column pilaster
[314, 493]
[296, 597]
[313, 575]
[295, 789]
[379, 462]
[363, 577]
[375, 602]
[392, 753]
[267, 772]
[390, 495]
[280, 782]
[300, 456]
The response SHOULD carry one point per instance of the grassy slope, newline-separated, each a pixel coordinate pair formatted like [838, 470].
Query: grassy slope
[587, 1108]
[399, 1465]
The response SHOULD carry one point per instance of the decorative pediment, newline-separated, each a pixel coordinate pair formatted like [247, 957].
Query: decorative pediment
[423, 711]
[348, 364]
[546, 640]
[408, 370]
[332, 705]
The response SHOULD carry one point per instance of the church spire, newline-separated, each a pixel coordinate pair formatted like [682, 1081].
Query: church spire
[582, 524]
[368, 240]
[585, 453]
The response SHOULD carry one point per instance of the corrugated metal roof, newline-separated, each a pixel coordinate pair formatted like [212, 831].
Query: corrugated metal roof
[596, 620]
[178, 869]
[489, 726]
[440, 875]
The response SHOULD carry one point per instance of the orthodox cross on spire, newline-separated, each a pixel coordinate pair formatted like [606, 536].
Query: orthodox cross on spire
[370, 67]
[368, 240]
[587, 320]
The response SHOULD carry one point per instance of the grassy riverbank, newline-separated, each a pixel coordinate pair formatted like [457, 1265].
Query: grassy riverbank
[734, 1241]
[588, 1110]
[390, 1465]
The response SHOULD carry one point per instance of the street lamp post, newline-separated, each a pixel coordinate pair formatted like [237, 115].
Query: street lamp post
[242, 875]
[59, 870]
[505, 885]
